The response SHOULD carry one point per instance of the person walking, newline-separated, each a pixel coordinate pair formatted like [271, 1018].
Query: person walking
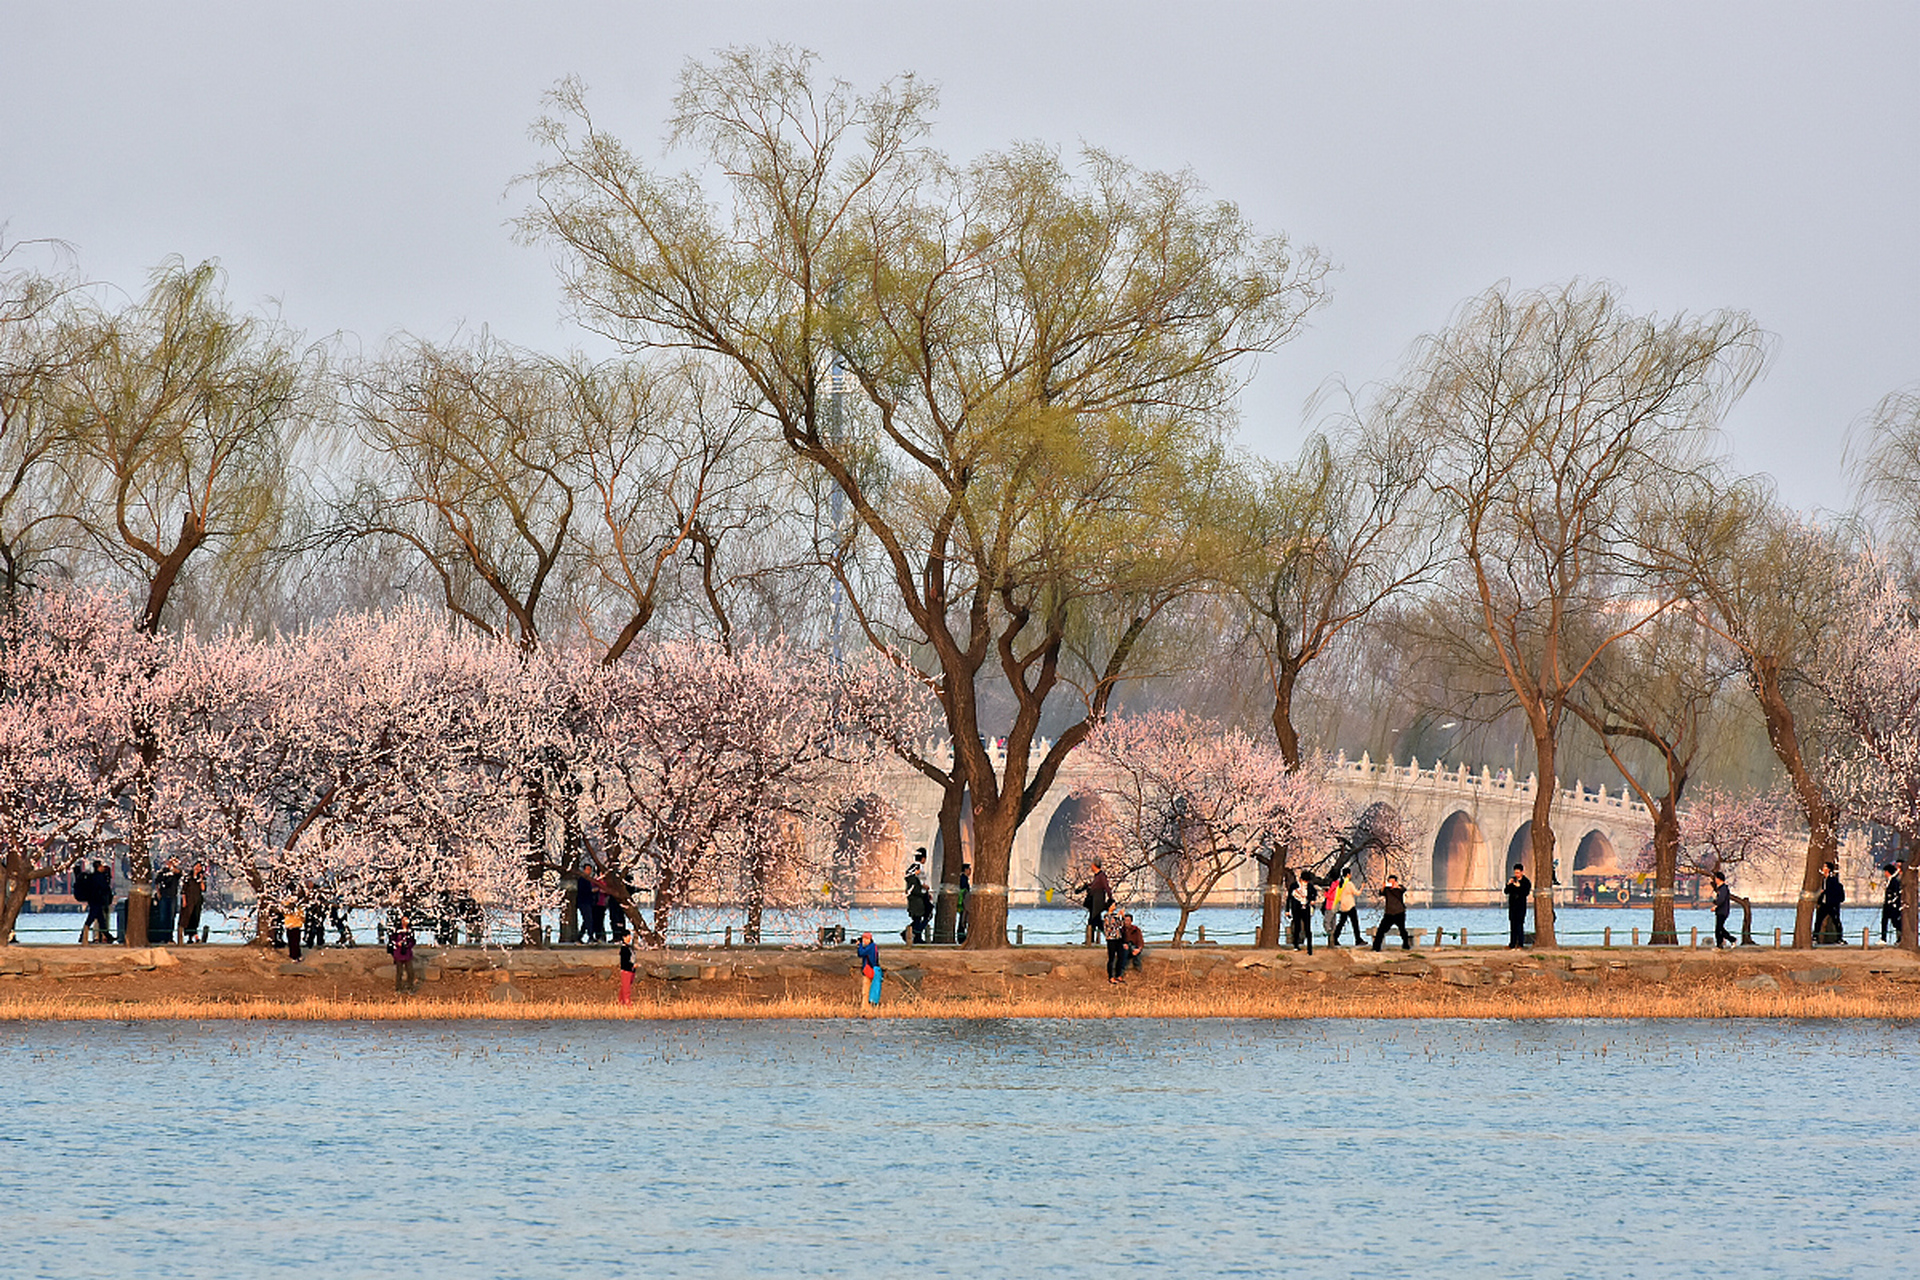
[593, 903]
[1393, 914]
[1519, 889]
[1346, 909]
[193, 898]
[293, 921]
[400, 944]
[1722, 908]
[1098, 896]
[1114, 926]
[1892, 902]
[919, 908]
[626, 967]
[1136, 943]
[870, 974]
[94, 887]
[1832, 894]
[1300, 911]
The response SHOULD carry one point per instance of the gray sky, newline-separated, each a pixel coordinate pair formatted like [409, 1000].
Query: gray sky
[352, 159]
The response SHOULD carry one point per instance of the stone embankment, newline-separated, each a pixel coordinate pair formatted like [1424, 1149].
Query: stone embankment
[1025, 980]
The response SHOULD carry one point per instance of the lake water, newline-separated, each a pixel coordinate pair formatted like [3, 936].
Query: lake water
[985, 1148]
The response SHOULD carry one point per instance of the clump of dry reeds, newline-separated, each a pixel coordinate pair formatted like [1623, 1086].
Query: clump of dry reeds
[1437, 1002]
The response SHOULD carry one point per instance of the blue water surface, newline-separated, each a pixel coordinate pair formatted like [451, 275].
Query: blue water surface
[960, 1147]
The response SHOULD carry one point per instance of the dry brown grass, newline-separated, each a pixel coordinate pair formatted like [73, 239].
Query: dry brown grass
[1506, 1003]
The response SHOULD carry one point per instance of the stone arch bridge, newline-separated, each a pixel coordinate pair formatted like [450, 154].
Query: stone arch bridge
[1466, 829]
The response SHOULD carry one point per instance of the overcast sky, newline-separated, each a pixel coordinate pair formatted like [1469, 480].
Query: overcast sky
[352, 160]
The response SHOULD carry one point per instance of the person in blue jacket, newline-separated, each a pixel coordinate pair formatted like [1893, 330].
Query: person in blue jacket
[870, 967]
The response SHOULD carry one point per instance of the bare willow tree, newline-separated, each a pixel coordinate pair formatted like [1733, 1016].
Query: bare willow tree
[1328, 540]
[1651, 700]
[1035, 364]
[36, 348]
[1770, 584]
[181, 416]
[1546, 411]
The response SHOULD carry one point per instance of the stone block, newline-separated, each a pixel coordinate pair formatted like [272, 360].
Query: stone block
[1651, 972]
[1811, 977]
[1758, 982]
[1030, 968]
[292, 970]
[1583, 977]
[681, 972]
[506, 993]
[1457, 977]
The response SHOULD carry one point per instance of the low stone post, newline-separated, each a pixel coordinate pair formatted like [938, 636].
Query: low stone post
[1606, 936]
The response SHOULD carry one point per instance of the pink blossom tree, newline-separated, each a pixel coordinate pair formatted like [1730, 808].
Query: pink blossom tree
[1869, 676]
[1185, 806]
[722, 776]
[76, 677]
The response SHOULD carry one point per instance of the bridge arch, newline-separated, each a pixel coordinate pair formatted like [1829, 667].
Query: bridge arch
[1520, 848]
[1595, 852]
[1064, 847]
[1459, 858]
[869, 849]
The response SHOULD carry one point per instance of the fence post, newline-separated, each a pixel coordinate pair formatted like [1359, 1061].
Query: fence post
[1463, 937]
[1606, 936]
[1203, 935]
[1019, 935]
[729, 942]
[1636, 935]
[1776, 935]
[1863, 939]
[1695, 944]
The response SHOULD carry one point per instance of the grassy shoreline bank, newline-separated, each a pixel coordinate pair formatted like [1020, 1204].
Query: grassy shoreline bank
[252, 984]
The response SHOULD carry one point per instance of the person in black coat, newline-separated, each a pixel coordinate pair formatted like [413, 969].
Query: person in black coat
[96, 891]
[1826, 918]
[1393, 914]
[1099, 896]
[1300, 911]
[1891, 904]
[1519, 890]
[193, 898]
[166, 890]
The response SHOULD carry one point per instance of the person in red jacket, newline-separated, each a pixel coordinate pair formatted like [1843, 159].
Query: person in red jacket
[626, 967]
[1134, 943]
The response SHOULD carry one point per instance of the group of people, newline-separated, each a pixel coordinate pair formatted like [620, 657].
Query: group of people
[179, 898]
[1338, 900]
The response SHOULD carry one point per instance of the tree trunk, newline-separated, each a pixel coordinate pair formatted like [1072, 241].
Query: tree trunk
[1666, 861]
[1273, 894]
[1823, 841]
[992, 860]
[536, 856]
[1273, 901]
[140, 842]
[1909, 908]
[946, 908]
[1545, 791]
[1746, 920]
